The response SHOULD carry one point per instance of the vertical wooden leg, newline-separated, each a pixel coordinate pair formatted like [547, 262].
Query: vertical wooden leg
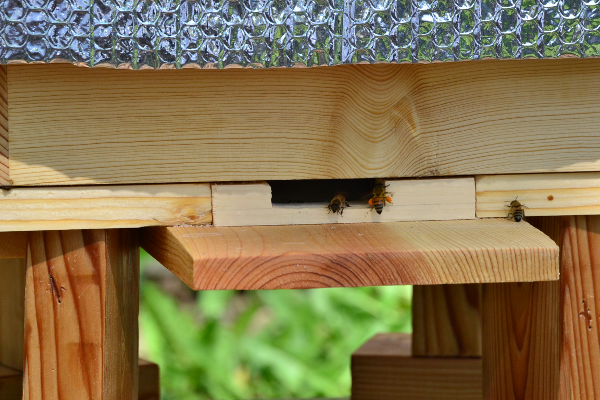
[12, 300]
[446, 321]
[81, 315]
[521, 333]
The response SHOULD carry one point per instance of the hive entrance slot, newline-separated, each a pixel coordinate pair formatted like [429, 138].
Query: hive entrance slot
[320, 190]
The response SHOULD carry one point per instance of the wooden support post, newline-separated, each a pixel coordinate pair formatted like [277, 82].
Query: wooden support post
[81, 315]
[446, 320]
[579, 240]
[12, 314]
[521, 340]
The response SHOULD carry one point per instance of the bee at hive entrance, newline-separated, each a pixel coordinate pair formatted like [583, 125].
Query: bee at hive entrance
[338, 203]
[380, 196]
[516, 212]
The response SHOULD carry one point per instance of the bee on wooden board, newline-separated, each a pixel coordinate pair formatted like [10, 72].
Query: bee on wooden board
[337, 204]
[516, 210]
[380, 196]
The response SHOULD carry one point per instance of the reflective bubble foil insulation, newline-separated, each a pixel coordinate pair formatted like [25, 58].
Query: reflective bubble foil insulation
[286, 33]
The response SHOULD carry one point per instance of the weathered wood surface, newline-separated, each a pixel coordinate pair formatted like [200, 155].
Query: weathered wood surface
[311, 256]
[81, 310]
[543, 194]
[34, 209]
[383, 369]
[314, 123]
[11, 386]
[149, 388]
[417, 200]
[4, 175]
[12, 312]
[13, 244]
[446, 321]
[521, 336]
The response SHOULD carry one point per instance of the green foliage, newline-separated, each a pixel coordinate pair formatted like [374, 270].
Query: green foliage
[265, 344]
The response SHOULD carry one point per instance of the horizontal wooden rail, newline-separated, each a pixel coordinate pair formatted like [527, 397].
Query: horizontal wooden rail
[384, 369]
[416, 200]
[543, 194]
[312, 256]
[35, 209]
[71, 125]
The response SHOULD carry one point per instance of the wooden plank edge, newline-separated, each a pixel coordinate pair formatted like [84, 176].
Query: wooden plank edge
[427, 199]
[552, 194]
[104, 207]
[4, 155]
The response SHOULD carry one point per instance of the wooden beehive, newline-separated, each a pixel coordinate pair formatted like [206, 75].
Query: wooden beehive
[96, 162]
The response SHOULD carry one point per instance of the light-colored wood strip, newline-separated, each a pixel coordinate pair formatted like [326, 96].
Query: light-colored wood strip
[347, 255]
[353, 121]
[13, 244]
[149, 381]
[543, 194]
[11, 386]
[383, 369]
[446, 321]
[34, 209]
[81, 309]
[521, 336]
[415, 200]
[12, 312]
[4, 173]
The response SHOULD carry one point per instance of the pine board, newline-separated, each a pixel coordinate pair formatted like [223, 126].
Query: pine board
[4, 176]
[71, 125]
[349, 255]
[89, 207]
[383, 369]
[416, 200]
[543, 194]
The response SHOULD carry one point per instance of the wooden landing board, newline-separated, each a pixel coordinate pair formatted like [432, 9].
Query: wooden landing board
[354, 121]
[250, 204]
[13, 244]
[383, 369]
[34, 209]
[349, 255]
[543, 194]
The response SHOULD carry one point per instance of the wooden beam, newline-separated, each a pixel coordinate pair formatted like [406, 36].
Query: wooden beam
[81, 309]
[4, 173]
[417, 200]
[311, 256]
[354, 121]
[521, 335]
[383, 369]
[446, 321]
[33, 209]
[13, 244]
[11, 383]
[543, 194]
[12, 312]
[149, 388]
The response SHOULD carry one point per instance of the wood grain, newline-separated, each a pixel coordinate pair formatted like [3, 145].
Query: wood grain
[250, 204]
[149, 388]
[33, 209]
[81, 308]
[350, 121]
[13, 244]
[521, 336]
[11, 383]
[446, 321]
[4, 172]
[311, 256]
[543, 194]
[383, 369]
[12, 312]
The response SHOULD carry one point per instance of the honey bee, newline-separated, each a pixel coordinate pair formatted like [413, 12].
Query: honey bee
[516, 210]
[380, 197]
[337, 204]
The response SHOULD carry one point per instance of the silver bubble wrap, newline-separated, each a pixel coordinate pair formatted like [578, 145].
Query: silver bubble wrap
[285, 33]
